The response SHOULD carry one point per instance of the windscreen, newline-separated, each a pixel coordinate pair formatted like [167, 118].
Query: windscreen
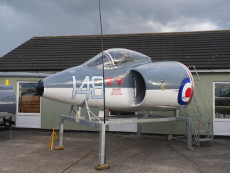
[117, 58]
[96, 62]
[122, 57]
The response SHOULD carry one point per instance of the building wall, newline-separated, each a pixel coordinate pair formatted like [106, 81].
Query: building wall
[51, 110]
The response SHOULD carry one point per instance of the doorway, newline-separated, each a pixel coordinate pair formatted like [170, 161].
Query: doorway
[28, 105]
[221, 104]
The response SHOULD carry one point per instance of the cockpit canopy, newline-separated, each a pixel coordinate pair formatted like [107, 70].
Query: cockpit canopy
[118, 58]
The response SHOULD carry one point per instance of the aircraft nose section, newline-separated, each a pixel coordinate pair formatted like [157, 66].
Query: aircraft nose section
[40, 88]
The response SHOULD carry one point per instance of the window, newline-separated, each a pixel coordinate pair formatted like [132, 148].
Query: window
[96, 61]
[222, 100]
[28, 101]
[125, 57]
[117, 57]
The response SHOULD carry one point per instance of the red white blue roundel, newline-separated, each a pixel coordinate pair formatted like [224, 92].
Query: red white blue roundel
[185, 91]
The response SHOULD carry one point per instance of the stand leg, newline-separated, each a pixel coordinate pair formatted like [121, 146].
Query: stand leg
[138, 129]
[78, 114]
[102, 165]
[189, 134]
[102, 145]
[61, 131]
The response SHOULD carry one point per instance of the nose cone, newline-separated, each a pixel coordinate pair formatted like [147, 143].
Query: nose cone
[40, 88]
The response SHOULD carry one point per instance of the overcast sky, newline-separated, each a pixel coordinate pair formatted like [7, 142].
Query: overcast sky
[21, 20]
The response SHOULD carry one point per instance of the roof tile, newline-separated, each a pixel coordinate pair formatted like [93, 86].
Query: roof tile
[204, 49]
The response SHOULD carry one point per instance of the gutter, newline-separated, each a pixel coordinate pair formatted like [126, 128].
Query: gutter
[23, 74]
[211, 71]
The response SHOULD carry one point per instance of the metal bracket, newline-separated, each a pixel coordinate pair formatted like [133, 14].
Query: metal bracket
[89, 113]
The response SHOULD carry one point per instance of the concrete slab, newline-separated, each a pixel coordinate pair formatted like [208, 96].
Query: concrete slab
[25, 151]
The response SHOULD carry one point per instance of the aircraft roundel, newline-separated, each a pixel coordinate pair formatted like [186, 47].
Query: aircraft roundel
[185, 91]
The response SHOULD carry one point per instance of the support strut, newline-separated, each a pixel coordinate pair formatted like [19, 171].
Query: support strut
[102, 165]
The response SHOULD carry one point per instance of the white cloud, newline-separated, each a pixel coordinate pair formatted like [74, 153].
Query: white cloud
[182, 24]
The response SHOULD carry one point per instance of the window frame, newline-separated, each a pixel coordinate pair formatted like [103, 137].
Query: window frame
[17, 107]
[214, 105]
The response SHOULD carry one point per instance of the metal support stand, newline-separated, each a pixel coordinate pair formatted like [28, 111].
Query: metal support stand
[138, 129]
[61, 132]
[102, 145]
[78, 113]
[102, 165]
[102, 128]
[189, 133]
[176, 114]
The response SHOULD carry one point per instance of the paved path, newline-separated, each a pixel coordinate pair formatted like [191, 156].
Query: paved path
[26, 151]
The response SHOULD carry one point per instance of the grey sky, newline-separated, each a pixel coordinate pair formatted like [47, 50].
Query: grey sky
[22, 19]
